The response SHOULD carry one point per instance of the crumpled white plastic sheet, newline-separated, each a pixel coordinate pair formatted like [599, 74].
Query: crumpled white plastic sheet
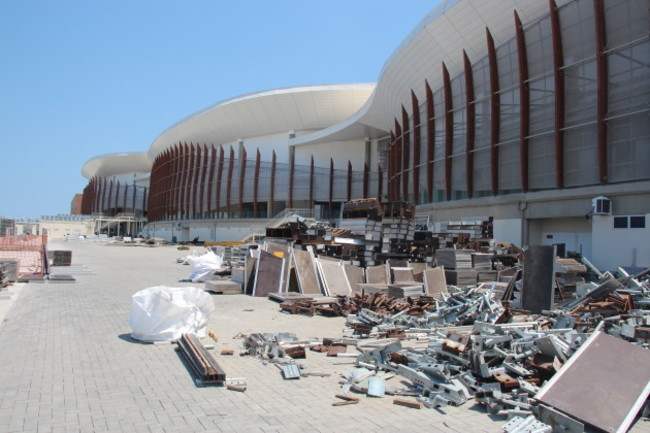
[164, 313]
[203, 267]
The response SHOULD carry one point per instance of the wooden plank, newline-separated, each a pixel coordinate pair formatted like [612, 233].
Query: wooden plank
[269, 274]
[306, 272]
[355, 275]
[334, 278]
[435, 281]
[378, 274]
[619, 371]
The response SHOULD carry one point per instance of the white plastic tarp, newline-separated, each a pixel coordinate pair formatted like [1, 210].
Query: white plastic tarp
[164, 313]
[203, 267]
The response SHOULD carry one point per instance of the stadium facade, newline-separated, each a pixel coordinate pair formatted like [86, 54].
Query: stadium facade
[535, 113]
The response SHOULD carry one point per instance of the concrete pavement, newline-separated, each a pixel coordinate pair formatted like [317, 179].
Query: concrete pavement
[67, 363]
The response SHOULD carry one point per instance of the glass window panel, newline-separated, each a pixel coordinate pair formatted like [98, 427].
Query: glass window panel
[458, 91]
[629, 79]
[580, 156]
[458, 144]
[459, 177]
[439, 181]
[509, 124]
[481, 78]
[507, 63]
[577, 29]
[482, 123]
[634, 15]
[539, 47]
[509, 169]
[637, 222]
[628, 140]
[541, 162]
[482, 173]
[542, 108]
[580, 93]
[620, 222]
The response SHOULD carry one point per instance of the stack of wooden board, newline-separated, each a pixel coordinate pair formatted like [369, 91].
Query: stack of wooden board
[454, 259]
[405, 290]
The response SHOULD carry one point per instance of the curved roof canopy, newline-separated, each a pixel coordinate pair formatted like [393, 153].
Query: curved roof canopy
[308, 108]
[115, 164]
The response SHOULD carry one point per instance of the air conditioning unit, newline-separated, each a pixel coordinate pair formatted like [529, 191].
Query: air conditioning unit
[601, 206]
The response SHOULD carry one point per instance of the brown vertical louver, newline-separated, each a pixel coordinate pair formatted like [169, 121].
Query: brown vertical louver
[416, 147]
[256, 184]
[495, 111]
[601, 88]
[431, 140]
[470, 125]
[449, 128]
[558, 76]
[242, 179]
[524, 102]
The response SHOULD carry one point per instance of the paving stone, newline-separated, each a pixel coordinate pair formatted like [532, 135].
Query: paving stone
[78, 369]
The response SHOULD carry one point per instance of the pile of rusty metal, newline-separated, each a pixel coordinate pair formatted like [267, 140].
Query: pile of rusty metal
[206, 368]
[379, 303]
[516, 363]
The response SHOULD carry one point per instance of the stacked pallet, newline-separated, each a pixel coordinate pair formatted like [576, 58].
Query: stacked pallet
[367, 228]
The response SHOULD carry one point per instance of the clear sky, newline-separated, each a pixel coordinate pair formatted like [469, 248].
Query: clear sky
[85, 78]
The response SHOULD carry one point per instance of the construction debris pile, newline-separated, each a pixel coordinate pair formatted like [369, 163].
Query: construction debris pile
[511, 330]
[480, 349]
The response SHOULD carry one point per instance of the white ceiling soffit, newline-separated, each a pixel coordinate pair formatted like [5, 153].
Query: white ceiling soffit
[265, 113]
[115, 164]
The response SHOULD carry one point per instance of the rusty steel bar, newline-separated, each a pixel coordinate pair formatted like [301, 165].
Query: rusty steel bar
[202, 362]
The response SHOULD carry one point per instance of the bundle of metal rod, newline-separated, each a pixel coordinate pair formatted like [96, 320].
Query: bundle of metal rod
[203, 364]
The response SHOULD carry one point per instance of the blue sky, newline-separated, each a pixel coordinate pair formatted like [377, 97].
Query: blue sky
[80, 79]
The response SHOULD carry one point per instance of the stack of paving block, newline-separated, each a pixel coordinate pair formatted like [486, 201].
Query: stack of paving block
[458, 266]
